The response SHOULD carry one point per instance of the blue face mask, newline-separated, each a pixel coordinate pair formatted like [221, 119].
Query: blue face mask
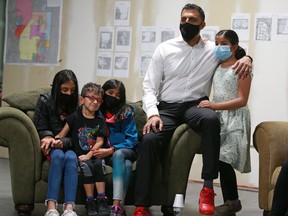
[223, 52]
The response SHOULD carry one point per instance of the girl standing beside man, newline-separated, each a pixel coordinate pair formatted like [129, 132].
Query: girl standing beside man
[230, 103]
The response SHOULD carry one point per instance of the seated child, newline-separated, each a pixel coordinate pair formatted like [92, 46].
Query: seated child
[88, 133]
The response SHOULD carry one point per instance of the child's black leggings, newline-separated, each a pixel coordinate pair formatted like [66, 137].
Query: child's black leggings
[228, 181]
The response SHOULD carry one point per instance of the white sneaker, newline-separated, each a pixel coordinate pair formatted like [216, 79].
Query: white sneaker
[52, 212]
[69, 212]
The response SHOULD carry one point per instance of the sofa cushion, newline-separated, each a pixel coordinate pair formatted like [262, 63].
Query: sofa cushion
[30, 114]
[275, 176]
[139, 117]
[25, 100]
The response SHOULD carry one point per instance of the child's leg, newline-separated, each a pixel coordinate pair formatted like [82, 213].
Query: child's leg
[228, 181]
[70, 179]
[87, 168]
[122, 168]
[99, 175]
[100, 186]
[55, 177]
[89, 190]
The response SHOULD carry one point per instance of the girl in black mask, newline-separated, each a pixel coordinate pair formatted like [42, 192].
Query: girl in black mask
[50, 116]
[122, 140]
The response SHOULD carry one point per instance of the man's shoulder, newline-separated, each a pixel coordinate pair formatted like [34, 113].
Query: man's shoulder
[172, 41]
[170, 44]
[208, 43]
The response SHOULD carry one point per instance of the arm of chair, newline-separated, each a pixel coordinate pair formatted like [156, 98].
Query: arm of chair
[19, 135]
[185, 143]
[270, 139]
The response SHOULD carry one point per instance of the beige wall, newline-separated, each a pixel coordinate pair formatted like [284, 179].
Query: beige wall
[82, 19]
[80, 25]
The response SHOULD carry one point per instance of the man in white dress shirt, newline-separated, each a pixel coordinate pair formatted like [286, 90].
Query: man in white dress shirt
[178, 78]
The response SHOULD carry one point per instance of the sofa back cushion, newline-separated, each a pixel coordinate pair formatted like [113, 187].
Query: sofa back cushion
[26, 101]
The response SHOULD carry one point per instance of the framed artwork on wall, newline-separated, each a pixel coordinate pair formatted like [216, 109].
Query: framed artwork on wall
[33, 31]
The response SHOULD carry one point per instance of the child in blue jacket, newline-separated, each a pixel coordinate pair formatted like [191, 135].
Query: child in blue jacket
[122, 140]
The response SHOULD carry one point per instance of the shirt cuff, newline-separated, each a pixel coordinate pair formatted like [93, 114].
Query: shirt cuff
[152, 112]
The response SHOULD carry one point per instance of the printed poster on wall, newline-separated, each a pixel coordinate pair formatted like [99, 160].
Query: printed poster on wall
[33, 31]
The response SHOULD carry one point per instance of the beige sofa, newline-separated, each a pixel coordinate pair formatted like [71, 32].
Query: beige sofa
[29, 169]
[271, 141]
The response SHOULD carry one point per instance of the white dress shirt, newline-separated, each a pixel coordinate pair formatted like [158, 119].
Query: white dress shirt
[178, 73]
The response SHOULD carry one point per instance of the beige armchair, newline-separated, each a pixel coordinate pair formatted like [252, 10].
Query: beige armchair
[29, 169]
[271, 141]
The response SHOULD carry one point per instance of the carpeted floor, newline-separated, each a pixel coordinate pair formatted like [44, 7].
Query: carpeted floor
[249, 199]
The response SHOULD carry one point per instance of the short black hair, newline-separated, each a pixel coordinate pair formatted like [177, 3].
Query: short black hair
[92, 87]
[194, 7]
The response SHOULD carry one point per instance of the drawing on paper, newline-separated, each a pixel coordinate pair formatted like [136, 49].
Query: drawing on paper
[263, 29]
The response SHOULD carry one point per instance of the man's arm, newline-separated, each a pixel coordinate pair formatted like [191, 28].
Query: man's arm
[151, 85]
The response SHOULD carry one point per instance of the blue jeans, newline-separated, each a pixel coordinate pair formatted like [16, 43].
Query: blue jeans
[63, 163]
[121, 161]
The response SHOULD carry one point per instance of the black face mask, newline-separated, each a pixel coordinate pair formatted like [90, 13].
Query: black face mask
[110, 101]
[66, 98]
[189, 31]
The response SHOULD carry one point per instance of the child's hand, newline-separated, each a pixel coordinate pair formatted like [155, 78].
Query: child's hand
[57, 144]
[46, 143]
[205, 104]
[101, 153]
[83, 158]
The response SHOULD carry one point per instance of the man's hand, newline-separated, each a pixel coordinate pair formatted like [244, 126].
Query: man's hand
[46, 143]
[243, 67]
[153, 123]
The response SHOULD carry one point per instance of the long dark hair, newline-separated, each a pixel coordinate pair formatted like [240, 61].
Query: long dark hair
[61, 77]
[111, 84]
[233, 38]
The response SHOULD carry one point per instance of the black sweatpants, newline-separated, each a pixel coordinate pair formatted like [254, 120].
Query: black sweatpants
[93, 170]
[203, 120]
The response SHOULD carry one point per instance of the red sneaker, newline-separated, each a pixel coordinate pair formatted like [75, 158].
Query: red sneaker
[206, 201]
[141, 211]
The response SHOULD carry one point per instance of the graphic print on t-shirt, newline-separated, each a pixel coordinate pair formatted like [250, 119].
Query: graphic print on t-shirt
[87, 137]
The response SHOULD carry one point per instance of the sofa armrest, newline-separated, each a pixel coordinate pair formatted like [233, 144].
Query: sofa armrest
[19, 135]
[270, 139]
[184, 144]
